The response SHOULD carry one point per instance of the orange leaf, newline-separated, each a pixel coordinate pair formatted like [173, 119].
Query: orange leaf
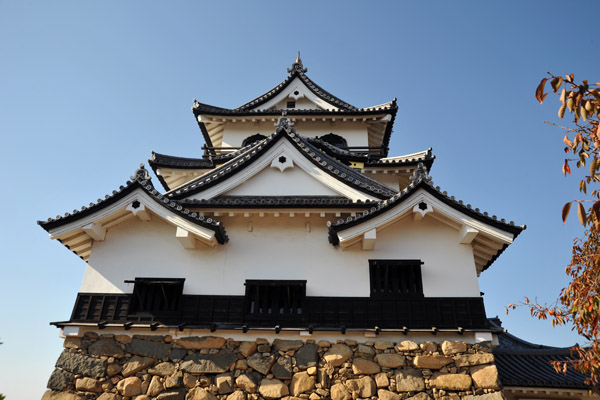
[567, 141]
[566, 168]
[565, 211]
[539, 91]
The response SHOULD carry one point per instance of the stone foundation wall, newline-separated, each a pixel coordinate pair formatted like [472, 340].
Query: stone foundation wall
[119, 367]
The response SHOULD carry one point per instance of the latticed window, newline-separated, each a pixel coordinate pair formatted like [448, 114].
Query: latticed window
[266, 299]
[156, 295]
[395, 278]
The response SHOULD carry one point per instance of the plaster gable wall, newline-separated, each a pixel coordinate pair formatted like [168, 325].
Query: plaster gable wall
[295, 91]
[355, 133]
[277, 248]
[290, 182]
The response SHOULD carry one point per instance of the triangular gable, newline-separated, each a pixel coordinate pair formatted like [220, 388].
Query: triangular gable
[306, 88]
[297, 152]
[488, 236]
[138, 198]
[297, 91]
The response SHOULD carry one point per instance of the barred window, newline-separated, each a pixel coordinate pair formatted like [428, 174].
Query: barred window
[395, 278]
[156, 295]
[271, 298]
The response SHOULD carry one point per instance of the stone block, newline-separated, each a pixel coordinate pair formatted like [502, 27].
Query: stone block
[363, 387]
[247, 348]
[365, 351]
[224, 383]
[109, 396]
[247, 383]
[113, 369]
[201, 342]
[131, 386]
[286, 345]
[162, 369]
[148, 348]
[135, 365]
[306, 356]
[468, 360]
[449, 348]
[106, 347]
[155, 387]
[237, 395]
[177, 354]
[339, 392]
[383, 345]
[301, 382]
[428, 347]
[420, 396]
[390, 360]
[387, 395]
[261, 363]
[362, 366]
[337, 355]
[88, 385]
[72, 342]
[174, 381]
[485, 377]
[59, 380]
[431, 362]
[273, 389]
[208, 363]
[407, 345]
[80, 364]
[409, 380]
[282, 369]
[199, 393]
[381, 380]
[458, 382]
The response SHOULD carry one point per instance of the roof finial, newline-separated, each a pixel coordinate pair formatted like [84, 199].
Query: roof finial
[420, 174]
[297, 66]
[141, 173]
[283, 122]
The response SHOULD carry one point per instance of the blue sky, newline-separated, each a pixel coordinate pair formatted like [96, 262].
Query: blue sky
[88, 89]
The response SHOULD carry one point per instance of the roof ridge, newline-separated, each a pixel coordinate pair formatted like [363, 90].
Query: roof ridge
[318, 157]
[140, 179]
[419, 178]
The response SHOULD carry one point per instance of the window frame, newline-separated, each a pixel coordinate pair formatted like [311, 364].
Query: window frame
[405, 277]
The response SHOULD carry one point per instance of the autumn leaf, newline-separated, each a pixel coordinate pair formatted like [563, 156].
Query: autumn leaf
[566, 168]
[561, 110]
[565, 211]
[539, 92]
[567, 141]
[556, 82]
[581, 214]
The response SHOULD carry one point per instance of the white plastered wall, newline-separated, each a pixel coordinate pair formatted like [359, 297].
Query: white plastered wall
[355, 133]
[278, 248]
[272, 182]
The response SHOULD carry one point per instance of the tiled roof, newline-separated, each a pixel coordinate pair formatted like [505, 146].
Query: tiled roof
[140, 180]
[298, 70]
[249, 154]
[166, 161]
[420, 180]
[201, 108]
[275, 202]
[521, 363]
[426, 157]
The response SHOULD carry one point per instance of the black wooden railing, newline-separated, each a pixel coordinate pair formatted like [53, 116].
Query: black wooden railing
[318, 312]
